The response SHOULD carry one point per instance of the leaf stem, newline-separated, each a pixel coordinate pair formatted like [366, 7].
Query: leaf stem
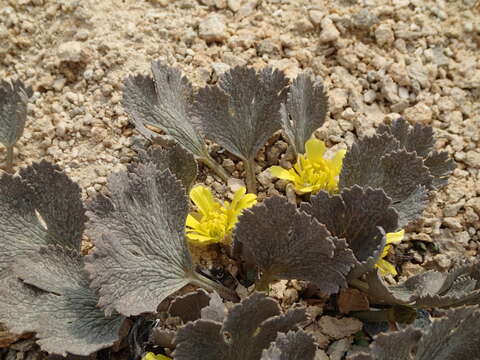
[263, 283]
[359, 284]
[375, 315]
[251, 179]
[216, 167]
[9, 160]
[204, 282]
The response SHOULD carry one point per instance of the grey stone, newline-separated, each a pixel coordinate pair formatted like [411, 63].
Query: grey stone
[212, 28]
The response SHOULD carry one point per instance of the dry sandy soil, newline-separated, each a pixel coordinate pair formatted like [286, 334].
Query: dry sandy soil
[379, 59]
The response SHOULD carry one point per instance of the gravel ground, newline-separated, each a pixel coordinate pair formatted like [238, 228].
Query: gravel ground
[379, 59]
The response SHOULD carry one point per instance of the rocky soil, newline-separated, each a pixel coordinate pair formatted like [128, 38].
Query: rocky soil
[379, 59]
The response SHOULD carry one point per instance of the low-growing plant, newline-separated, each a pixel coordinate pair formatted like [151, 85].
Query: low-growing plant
[142, 224]
[13, 114]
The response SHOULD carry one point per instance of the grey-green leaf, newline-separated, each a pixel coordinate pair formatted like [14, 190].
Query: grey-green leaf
[65, 315]
[248, 329]
[41, 206]
[380, 163]
[451, 337]
[289, 244]
[174, 157]
[140, 255]
[419, 139]
[294, 345]
[461, 286]
[13, 110]
[163, 102]
[242, 111]
[305, 110]
[360, 216]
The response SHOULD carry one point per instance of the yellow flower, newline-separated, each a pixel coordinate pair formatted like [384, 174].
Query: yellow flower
[383, 265]
[214, 221]
[313, 172]
[152, 356]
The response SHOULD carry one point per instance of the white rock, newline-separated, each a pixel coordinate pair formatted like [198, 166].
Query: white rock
[265, 178]
[339, 328]
[390, 89]
[338, 100]
[212, 28]
[316, 16]
[235, 184]
[234, 5]
[329, 31]
[419, 113]
[338, 349]
[384, 35]
[369, 96]
[71, 51]
[321, 355]
[473, 159]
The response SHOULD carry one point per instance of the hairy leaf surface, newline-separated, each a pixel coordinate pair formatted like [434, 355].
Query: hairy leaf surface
[461, 286]
[41, 206]
[44, 288]
[248, 329]
[296, 345]
[242, 111]
[64, 315]
[451, 337]
[174, 157]
[419, 139]
[305, 110]
[13, 110]
[141, 255]
[289, 244]
[163, 102]
[360, 216]
[381, 163]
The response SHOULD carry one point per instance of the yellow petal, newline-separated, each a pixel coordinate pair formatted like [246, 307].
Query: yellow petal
[281, 173]
[237, 197]
[337, 161]
[200, 239]
[315, 149]
[202, 197]
[191, 222]
[152, 356]
[385, 267]
[395, 237]
[385, 250]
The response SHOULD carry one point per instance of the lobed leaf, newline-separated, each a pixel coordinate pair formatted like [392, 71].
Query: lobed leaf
[181, 163]
[458, 287]
[41, 206]
[289, 244]
[44, 288]
[360, 216]
[163, 102]
[64, 315]
[13, 110]
[449, 338]
[248, 329]
[140, 255]
[241, 112]
[189, 307]
[304, 111]
[380, 163]
[419, 139]
[291, 346]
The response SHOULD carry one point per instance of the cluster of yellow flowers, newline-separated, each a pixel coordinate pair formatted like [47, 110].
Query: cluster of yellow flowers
[313, 172]
[214, 222]
[152, 356]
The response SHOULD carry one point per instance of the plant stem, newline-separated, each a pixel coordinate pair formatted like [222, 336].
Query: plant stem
[9, 160]
[251, 179]
[359, 284]
[204, 282]
[375, 316]
[216, 167]
[263, 283]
